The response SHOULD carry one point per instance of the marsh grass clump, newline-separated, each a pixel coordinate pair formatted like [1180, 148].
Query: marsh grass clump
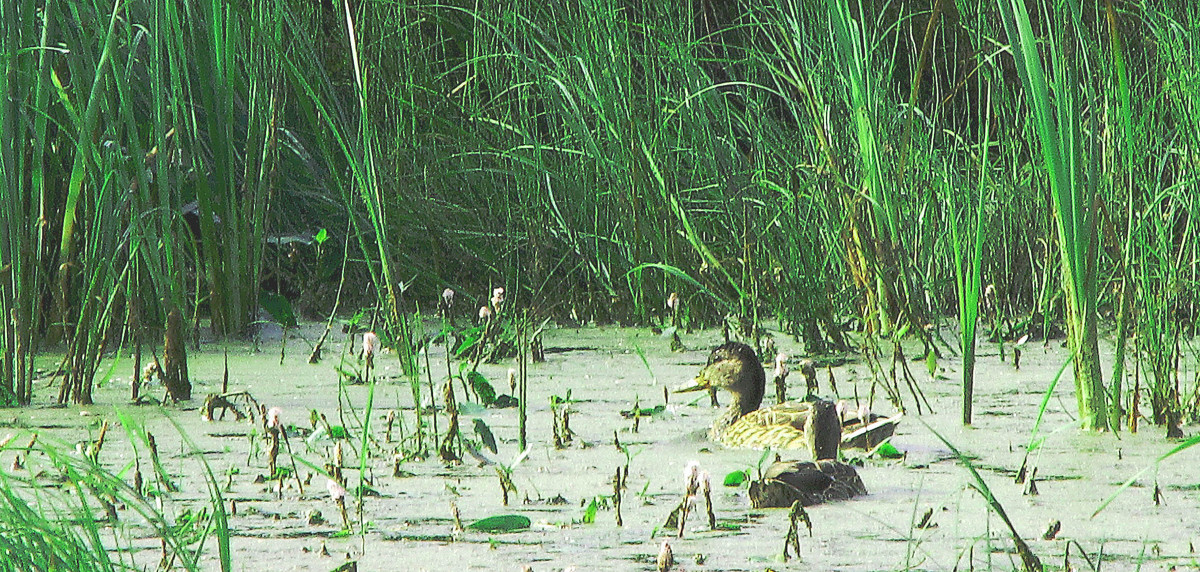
[40, 536]
[49, 510]
[830, 217]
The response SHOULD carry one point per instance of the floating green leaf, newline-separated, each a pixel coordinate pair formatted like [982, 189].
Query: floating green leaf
[643, 411]
[471, 409]
[501, 523]
[589, 513]
[485, 435]
[889, 451]
[736, 478]
[481, 386]
[321, 237]
[505, 401]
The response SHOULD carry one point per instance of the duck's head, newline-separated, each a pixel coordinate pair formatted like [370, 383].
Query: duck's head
[734, 367]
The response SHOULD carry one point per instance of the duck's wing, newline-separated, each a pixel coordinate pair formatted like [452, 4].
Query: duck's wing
[778, 427]
[860, 433]
[793, 413]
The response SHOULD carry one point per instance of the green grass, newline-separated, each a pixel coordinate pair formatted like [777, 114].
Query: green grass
[786, 161]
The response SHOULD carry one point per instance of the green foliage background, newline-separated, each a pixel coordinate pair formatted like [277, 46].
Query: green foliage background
[785, 159]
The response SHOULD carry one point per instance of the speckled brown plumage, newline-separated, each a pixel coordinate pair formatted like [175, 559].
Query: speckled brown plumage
[822, 480]
[736, 368]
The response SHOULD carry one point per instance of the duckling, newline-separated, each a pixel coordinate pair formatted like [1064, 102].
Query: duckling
[822, 480]
[735, 367]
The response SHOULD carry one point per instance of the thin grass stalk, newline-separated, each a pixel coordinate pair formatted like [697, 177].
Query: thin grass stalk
[22, 151]
[968, 263]
[1029, 560]
[1124, 177]
[367, 181]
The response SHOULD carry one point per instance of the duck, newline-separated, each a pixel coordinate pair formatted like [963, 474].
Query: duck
[824, 479]
[735, 367]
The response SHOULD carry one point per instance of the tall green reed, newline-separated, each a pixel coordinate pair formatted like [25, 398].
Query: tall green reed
[26, 88]
[1068, 152]
[879, 235]
[967, 239]
[107, 137]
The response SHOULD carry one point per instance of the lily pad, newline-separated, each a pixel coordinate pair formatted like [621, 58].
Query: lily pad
[501, 523]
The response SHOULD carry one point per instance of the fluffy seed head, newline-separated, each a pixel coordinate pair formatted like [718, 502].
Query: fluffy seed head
[781, 368]
[336, 492]
[691, 473]
[370, 344]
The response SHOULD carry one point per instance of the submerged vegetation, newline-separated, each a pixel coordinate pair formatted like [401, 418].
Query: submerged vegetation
[900, 169]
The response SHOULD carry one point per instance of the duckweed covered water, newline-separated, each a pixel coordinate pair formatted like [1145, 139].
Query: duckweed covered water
[410, 521]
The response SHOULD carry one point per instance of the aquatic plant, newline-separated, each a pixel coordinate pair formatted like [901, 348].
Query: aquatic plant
[1069, 151]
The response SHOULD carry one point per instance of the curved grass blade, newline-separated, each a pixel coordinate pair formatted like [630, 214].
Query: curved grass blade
[1180, 447]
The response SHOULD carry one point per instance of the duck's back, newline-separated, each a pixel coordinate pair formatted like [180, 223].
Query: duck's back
[778, 427]
[806, 481]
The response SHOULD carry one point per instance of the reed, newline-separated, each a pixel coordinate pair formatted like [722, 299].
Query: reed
[1068, 151]
[592, 160]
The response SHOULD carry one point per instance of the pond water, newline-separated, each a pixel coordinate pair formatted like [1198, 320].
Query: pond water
[410, 525]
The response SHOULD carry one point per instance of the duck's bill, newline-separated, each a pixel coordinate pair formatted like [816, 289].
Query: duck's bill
[693, 385]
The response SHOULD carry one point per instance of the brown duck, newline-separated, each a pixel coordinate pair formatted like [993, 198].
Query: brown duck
[822, 480]
[736, 368]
